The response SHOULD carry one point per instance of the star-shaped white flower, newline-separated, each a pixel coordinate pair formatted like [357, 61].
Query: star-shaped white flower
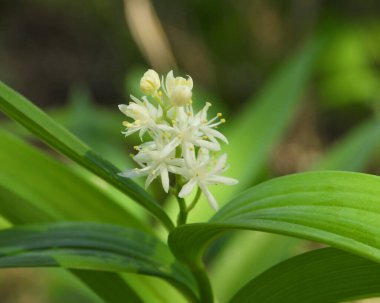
[186, 131]
[202, 171]
[144, 114]
[156, 159]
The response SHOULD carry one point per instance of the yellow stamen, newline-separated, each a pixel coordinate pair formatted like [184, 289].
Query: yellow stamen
[219, 114]
[136, 147]
[223, 120]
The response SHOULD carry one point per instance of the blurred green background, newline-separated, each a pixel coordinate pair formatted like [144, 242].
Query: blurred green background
[80, 59]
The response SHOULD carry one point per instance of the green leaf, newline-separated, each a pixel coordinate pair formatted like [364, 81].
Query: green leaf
[116, 286]
[57, 194]
[56, 191]
[26, 113]
[338, 208]
[353, 151]
[91, 246]
[326, 275]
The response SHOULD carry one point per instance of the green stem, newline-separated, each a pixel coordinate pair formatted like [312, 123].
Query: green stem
[195, 200]
[182, 215]
[204, 285]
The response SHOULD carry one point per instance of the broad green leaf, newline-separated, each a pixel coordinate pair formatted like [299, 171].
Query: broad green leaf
[326, 275]
[338, 208]
[37, 186]
[353, 151]
[57, 194]
[35, 120]
[116, 286]
[259, 127]
[90, 246]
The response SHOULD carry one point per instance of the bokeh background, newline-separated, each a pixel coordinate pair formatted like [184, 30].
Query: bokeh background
[80, 59]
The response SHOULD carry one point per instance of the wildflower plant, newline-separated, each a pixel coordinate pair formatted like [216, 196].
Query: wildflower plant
[178, 145]
[41, 197]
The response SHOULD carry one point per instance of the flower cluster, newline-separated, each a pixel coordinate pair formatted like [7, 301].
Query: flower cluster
[181, 143]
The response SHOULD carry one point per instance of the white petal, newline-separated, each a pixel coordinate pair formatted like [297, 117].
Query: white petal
[188, 153]
[176, 162]
[143, 157]
[123, 108]
[203, 156]
[178, 170]
[170, 147]
[130, 131]
[221, 163]
[150, 179]
[210, 198]
[187, 188]
[165, 178]
[135, 173]
[170, 82]
[189, 82]
[134, 99]
[221, 180]
[214, 133]
[207, 144]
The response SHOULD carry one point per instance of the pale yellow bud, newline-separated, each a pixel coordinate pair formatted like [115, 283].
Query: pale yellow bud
[181, 95]
[150, 82]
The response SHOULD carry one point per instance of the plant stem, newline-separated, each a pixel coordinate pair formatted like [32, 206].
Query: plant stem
[195, 200]
[204, 285]
[184, 210]
[182, 215]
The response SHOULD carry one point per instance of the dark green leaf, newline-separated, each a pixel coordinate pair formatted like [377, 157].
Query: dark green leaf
[27, 114]
[326, 275]
[355, 150]
[37, 188]
[92, 246]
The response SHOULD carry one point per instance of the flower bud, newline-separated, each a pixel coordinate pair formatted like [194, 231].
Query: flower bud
[181, 95]
[178, 89]
[150, 82]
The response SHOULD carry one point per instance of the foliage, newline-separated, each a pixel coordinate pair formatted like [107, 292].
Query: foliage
[86, 218]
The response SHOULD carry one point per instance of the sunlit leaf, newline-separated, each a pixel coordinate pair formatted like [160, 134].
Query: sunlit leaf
[326, 275]
[338, 208]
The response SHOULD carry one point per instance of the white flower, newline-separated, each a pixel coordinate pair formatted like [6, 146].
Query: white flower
[150, 82]
[178, 89]
[207, 126]
[200, 171]
[180, 141]
[156, 159]
[145, 116]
